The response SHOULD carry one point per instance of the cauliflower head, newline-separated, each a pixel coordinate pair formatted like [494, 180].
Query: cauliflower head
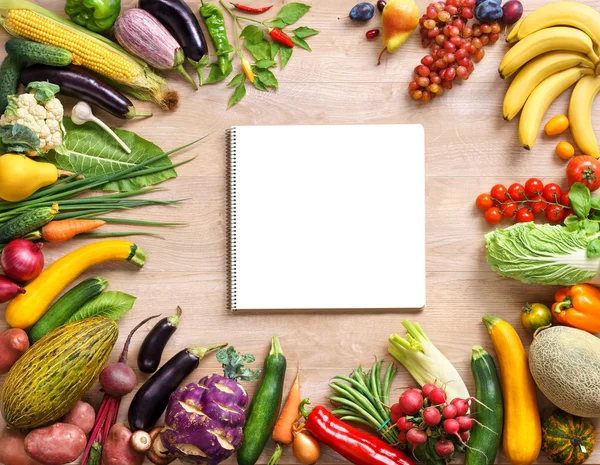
[41, 112]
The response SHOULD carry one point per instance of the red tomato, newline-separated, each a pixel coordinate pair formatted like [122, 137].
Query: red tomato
[584, 169]
[516, 192]
[564, 199]
[533, 188]
[499, 193]
[538, 207]
[552, 192]
[510, 209]
[493, 215]
[484, 201]
[568, 212]
[555, 213]
[524, 215]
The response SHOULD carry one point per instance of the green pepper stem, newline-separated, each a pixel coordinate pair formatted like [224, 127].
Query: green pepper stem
[302, 408]
[566, 304]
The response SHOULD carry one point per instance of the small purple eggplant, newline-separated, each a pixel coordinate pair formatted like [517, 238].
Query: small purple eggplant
[154, 343]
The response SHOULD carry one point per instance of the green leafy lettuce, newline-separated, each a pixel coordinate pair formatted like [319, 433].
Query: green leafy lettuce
[544, 254]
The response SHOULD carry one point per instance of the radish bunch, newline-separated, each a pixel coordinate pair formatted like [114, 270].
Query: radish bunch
[434, 428]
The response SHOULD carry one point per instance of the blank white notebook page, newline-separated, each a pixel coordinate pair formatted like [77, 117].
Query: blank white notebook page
[327, 217]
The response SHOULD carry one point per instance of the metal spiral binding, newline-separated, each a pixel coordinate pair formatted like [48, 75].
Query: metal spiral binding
[231, 203]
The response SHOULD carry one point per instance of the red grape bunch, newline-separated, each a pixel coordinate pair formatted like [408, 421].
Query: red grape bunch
[455, 47]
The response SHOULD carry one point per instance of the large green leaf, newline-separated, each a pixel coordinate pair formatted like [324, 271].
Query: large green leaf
[90, 150]
[110, 304]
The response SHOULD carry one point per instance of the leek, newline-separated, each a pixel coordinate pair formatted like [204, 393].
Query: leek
[425, 362]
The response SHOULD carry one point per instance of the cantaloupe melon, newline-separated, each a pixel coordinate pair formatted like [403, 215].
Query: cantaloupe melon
[565, 364]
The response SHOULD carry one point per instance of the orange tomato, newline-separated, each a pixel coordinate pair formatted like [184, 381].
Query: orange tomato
[565, 150]
[557, 125]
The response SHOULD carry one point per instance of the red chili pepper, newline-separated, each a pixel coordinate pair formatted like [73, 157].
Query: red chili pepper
[355, 446]
[249, 9]
[280, 36]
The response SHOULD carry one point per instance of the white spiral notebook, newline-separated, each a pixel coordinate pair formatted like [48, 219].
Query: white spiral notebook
[326, 218]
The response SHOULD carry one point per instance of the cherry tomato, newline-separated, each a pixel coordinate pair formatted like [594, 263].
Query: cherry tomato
[564, 199]
[510, 209]
[534, 316]
[568, 212]
[538, 207]
[524, 215]
[516, 192]
[584, 169]
[492, 215]
[484, 201]
[499, 193]
[533, 187]
[552, 192]
[555, 213]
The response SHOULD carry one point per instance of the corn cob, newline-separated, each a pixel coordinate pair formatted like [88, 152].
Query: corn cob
[30, 21]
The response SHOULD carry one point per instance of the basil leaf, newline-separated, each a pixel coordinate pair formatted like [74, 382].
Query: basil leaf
[292, 12]
[285, 53]
[581, 200]
[110, 304]
[587, 226]
[266, 77]
[593, 249]
[301, 43]
[572, 222]
[236, 81]
[265, 64]
[18, 138]
[596, 202]
[238, 94]
[44, 91]
[304, 32]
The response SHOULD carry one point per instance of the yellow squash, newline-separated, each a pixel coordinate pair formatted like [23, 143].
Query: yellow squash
[522, 439]
[26, 309]
[20, 176]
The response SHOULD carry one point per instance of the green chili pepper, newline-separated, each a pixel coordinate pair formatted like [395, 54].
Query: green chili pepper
[95, 15]
[215, 23]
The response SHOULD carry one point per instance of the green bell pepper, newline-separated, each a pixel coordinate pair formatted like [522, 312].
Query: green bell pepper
[95, 15]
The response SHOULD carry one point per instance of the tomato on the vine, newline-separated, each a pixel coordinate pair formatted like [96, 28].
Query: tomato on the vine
[534, 188]
[584, 169]
[564, 199]
[524, 215]
[516, 192]
[510, 209]
[538, 207]
[555, 213]
[484, 201]
[552, 192]
[492, 215]
[499, 193]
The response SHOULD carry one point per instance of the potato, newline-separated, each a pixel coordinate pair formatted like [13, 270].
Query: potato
[12, 450]
[83, 415]
[57, 444]
[13, 343]
[118, 450]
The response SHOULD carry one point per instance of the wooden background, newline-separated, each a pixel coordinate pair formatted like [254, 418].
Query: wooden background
[469, 148]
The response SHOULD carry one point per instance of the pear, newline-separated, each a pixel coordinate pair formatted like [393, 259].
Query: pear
[400, 19]
[20, 176]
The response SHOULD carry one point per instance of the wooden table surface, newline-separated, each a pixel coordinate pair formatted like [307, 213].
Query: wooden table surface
[469, 148]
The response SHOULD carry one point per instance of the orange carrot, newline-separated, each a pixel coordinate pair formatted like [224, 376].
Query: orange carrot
[63, 230]
[282, 432]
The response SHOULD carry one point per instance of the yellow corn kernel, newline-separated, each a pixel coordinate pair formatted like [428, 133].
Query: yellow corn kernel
[99, 58]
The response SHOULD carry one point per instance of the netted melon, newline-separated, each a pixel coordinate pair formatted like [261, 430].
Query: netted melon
[565, 364]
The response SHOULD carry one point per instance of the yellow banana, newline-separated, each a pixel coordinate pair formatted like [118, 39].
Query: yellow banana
[513, 36]
[533, 73]
[540, 100]
[580, 114]
[574, 14]
[546, 40]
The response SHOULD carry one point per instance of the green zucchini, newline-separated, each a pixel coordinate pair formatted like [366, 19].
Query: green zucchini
[485, 437]
[10, 75]
[32, 52]
[264, 408]
[66, 306]
[27, 222]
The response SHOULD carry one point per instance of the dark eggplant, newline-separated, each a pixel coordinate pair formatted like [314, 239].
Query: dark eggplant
[75, 82]
[152, 398]
[180, 21]
[154, 343]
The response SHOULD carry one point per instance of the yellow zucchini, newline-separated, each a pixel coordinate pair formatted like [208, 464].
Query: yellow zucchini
[26, 309]
[522, 439]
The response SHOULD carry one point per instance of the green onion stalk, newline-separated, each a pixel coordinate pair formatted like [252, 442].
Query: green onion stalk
[365, 398]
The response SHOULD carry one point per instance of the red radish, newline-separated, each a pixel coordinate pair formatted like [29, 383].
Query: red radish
[465, 423]
[411, 401]
[437, 396]
[464, 436]
[444, 448]
[22, 260]
[462, 406]
[404, 425]
[395, 413]
[449, 411]
[451, 426]
[8, 289]
[401, 437]
[415, 437]
[431, 416]
[427, 388]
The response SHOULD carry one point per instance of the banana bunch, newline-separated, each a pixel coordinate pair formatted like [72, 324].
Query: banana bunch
[554, 48]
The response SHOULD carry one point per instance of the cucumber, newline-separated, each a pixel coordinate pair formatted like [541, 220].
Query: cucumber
[32, 52]
[485, 438]
[27, 222]
[264, 409]
[66, 306]
[10, 74]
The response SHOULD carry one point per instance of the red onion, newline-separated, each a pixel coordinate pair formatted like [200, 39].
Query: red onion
[22, 260]
[8, 289]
